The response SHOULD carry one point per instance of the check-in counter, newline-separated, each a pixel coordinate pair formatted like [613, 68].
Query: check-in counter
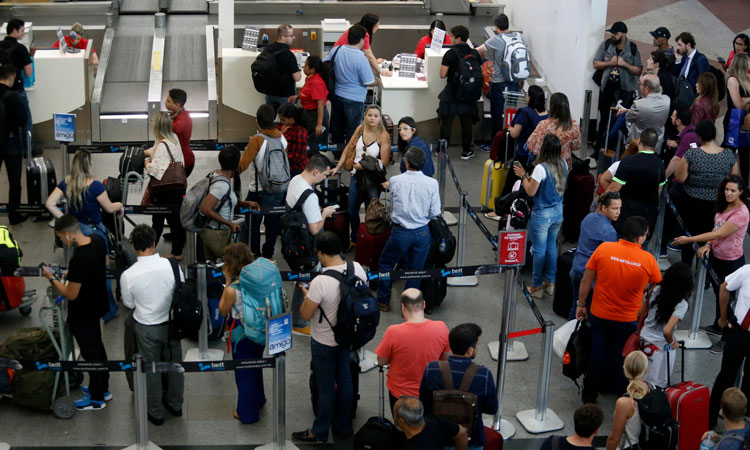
[63, 85]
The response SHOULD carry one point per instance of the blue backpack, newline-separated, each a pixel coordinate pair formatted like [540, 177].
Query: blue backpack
[262, 297]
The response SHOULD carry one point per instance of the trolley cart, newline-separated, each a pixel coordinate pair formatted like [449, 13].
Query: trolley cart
[513, 102]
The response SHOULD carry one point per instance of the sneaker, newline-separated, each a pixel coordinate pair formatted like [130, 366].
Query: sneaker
[107, 395]
[485, 148]
[663, 254]
[674, 247]
[712, 329]
[86, 404]
[156, 421]
[717, 348]
[301, 331]
[307, 437]
[467, 155]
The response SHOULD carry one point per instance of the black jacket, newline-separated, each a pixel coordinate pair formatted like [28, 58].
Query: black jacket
[13, 113]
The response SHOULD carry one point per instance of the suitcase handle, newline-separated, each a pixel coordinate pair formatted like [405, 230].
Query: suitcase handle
[682, 368]
[382, 392]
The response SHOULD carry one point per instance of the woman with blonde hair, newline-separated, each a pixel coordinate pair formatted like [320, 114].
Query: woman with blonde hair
[626, 426]
[369, 139]
[738, 97]
[165, 150]
[87, 200]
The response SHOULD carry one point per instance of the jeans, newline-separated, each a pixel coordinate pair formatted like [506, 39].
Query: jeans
[275, 101]
[101, 231]
[272, 221]
[251, 395]
[335, 389]
[575, 280]
[605, 362]
[89, 339]
[736, 350]
[12, 155]
[544, 227]
[467, 130]
[356, 198]
[346, 115]
[618, 126]
[410, 245]
[497, 103]
[154, 345]
[28, 128]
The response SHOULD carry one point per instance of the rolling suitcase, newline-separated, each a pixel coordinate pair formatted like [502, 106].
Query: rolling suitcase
[579, 193]
[40, 176]
[494, 439]
[338, 223]
[689, 402]
[563, 299]
[331, 191]
[132, 160]
[433, 290]
[369, 246]
[493, 180]
[376, 433]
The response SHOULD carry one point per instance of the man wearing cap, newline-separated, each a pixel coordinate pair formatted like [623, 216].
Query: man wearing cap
[620, 64]
[661, 37]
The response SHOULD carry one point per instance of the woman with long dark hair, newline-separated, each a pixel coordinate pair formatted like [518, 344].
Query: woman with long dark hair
[526, 120]
[561, 125]
[427, 40]
[723, 245]
[740, 44]
[293, 128]
[706, 106]
[371, 22]
[546, 185]
[312, 98]
[407, 137]
[667, 306]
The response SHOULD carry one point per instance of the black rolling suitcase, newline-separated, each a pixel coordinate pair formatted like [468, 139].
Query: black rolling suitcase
[563, 288]
[377, 432]
[40, 176]
[433, 290]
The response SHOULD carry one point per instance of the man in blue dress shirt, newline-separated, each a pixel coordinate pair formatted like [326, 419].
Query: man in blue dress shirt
[415, 202]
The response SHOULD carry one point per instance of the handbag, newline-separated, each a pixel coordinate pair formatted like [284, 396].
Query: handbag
[173, 179]
[737, 136]
[376, 217]
[634, 340]
[350, 150]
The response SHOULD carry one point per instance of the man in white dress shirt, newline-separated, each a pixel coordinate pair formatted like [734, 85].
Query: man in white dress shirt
[148, 286]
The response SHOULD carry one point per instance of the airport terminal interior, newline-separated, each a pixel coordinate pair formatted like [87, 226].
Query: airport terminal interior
[147, 47]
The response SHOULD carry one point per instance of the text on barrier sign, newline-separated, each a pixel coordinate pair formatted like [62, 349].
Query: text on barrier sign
[510, 114]
[512, 248]
[279, 334]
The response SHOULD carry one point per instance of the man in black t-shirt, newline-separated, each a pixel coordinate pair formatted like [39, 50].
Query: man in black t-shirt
[640, 179]
[425, 433]
[286, 64]
[21, 59]
[11, 152]
[86, 293]
[587, 420]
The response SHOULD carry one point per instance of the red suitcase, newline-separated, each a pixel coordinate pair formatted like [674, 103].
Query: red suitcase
[338, 223]
[11, 292]
[689, 402]
[369, 247]
[494, 439]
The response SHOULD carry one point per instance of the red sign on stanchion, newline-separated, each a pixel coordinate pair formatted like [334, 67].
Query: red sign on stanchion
[512, 248]
[510, 114]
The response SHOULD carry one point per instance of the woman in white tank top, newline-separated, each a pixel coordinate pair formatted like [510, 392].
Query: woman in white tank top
[626, 426]
[372, 139]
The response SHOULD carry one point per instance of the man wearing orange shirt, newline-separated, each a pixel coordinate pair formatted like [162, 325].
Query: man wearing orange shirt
[408, 347]
[622, 270]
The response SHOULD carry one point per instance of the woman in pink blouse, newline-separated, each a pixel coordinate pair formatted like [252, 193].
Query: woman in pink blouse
[561, 125]
[706, 106]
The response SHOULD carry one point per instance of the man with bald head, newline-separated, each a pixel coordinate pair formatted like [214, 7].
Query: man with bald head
[425, 433]
[649, 111]
[408, 347]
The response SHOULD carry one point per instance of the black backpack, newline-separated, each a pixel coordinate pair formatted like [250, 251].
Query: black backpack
[468, 77]
[186, 312]
[132, 160]
[658, 428]
[330, 65]
[683, 92]
[721, 85]
[297, 243]
[442, 243]
[265, 70]
[358, 313]
[576, 356]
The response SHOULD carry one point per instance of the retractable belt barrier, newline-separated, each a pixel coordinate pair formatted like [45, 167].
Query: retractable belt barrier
[120, 147]
[130, 366]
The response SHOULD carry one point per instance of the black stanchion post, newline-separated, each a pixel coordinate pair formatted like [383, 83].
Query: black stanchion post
[450, 219]
[506, 429]
[659, 228]
[585, 120]
[464, 281]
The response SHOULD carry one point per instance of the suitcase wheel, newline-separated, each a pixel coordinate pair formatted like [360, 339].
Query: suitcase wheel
[64, 408]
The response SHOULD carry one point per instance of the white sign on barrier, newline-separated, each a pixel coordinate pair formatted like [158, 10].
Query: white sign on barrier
[279, 334]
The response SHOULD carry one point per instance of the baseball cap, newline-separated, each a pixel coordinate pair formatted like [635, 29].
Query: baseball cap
[618, 27]
[661, 32]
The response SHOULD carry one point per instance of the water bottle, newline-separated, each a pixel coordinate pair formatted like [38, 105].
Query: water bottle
[708, 443]
[442, 245]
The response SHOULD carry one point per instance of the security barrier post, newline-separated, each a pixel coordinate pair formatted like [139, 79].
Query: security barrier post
[203, 353]
[585, 121]
[695, 338]
[279, 407]
[659, 229]
[141, 409]
[542, 419]
[516, 349]
[465, 281]
[190, 248]
[450, 219]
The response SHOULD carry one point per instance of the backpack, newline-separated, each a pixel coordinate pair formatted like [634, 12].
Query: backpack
[440, 233]
[191, 218]
[721, 84]
[576, 356]
[31, 387]
[358, 313]
[272, 166]
[330, 65]
[297, 243]
[516, 57]
[456, 405]
[186, 311]
[132, 160]
[10, 252]
[468, 77]
[683, 92]
[265, 70]
[739, 436]
[658, 427]
[262, 297]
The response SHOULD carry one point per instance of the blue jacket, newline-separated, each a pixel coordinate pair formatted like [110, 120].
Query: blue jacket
[697, 67]
[429, 168]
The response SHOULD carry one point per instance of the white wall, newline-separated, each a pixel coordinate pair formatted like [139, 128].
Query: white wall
[562, 37]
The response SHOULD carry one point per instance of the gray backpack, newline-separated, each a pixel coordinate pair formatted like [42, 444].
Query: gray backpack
[191, 218]
[272, 166]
